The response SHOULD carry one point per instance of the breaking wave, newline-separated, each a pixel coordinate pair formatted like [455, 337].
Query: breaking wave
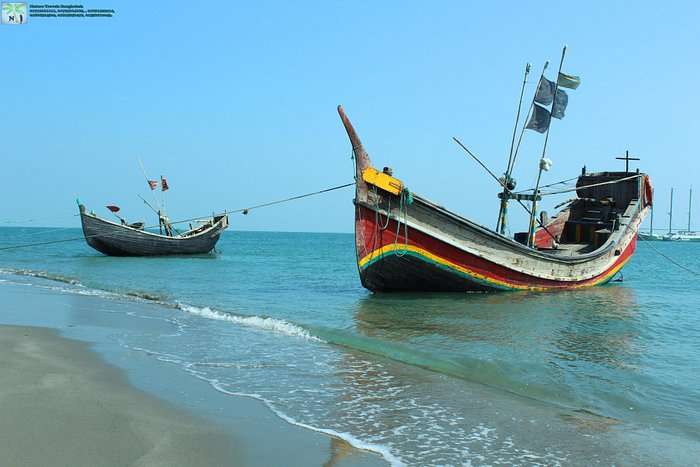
[269, 324]
[41, 275]
[277, 326]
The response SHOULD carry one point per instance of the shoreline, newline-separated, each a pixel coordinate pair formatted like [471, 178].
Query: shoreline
[75, 393]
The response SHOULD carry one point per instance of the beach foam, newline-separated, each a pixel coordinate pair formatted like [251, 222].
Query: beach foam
[347, 437]
[190, 367]
[265, 323]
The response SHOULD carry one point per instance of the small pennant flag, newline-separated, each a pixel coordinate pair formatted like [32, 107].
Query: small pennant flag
[568, 81]
[164, 184]
[113, 208]
[153, 184]
[539, 119]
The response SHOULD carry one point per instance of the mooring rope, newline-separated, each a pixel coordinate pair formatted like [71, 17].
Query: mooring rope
[44, 231]
[671, 260]
[403, 209]
[234, 211]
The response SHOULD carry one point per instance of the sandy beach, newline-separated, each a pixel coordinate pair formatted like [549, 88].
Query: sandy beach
[62, 406]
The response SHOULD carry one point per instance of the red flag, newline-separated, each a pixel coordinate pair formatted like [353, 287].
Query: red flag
[153, 184]
[113, 208]
[164, 184]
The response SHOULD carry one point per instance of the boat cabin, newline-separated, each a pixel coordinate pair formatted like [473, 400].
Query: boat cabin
[601, 207]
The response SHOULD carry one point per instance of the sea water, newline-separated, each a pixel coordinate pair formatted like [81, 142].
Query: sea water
[607, 375]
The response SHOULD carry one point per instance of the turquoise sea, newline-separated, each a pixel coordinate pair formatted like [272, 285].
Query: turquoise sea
[607, 375]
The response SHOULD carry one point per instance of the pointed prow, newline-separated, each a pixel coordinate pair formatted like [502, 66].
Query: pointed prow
[361, 158]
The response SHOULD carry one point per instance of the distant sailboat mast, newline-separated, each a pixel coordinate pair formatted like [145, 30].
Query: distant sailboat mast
[690, 206]
[670, 214]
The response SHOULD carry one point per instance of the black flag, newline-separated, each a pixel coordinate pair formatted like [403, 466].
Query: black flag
[545, 91]
[560, 103]
[539, 119]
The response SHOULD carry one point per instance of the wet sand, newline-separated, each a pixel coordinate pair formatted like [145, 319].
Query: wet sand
[61, 406]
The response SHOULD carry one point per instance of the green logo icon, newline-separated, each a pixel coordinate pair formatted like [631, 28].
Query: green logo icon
[14, 13]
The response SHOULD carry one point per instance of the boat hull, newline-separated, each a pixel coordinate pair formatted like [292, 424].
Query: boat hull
[113, 239]
[391, 262]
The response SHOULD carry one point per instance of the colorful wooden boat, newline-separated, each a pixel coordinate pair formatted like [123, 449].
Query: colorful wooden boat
[404, 242]
[122, 239]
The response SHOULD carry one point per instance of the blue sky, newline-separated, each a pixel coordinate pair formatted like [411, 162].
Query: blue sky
[235, 104]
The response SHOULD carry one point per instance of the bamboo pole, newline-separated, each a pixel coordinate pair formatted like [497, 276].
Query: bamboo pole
[501, 223]
[531, 230]
[500, 182]
[511, 162]
[522, 130]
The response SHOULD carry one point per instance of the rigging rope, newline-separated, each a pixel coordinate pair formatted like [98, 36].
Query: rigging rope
[591, 186]
[242, 210]
[568, 190]
[547, 186]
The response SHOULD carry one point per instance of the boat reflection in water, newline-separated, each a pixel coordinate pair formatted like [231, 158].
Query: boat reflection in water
[562, 362]
[566, 347]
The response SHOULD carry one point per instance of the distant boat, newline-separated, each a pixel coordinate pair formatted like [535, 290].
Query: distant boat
[116, 239]
[651, 236]
[133, 239]
[685, 235]
[671, 236]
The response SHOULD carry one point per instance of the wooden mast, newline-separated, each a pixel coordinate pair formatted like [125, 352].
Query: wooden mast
[511, 162]
[508, 184]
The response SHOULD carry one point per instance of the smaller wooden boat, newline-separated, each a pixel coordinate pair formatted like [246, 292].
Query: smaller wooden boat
[123, 239]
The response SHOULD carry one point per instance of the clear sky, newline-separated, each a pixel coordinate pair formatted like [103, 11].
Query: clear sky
[235, 103]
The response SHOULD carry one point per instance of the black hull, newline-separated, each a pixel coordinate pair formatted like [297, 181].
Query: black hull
[114, 239]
